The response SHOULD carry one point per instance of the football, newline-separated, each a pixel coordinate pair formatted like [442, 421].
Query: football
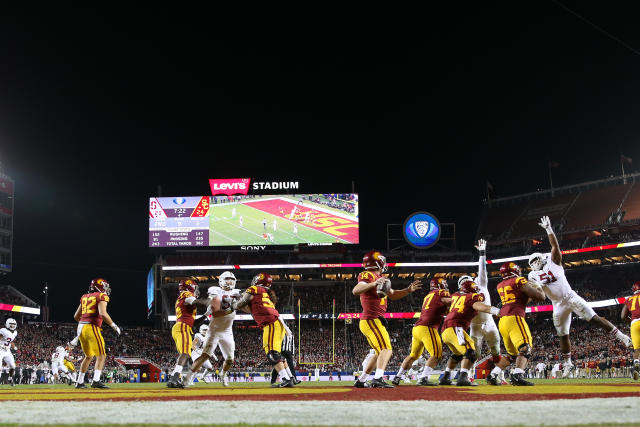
[383, 287]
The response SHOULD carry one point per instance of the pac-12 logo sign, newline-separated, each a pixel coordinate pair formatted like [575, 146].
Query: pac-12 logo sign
[421, 230]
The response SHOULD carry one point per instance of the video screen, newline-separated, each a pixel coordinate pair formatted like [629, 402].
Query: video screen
[205, 221]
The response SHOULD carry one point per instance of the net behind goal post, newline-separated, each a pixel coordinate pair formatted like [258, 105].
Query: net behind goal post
[333, 339]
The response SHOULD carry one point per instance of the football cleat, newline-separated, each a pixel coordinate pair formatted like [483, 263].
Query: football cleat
[463, 379]
[518, 379]
[446, 378]
[566, 369]
[379, 383]
[286, 383]
[396, 380]
[81, 385]
[99, 384]
[296, 381]
[225, 381]
[275, 385]
[425, 382]
[494, 379]
[360, 384]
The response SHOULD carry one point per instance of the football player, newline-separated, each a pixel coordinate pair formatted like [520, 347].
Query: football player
[182, 330]
[425, 332]
[7, 342]
[257, 301]
[483, 327]
[57, 365]
[196, 350]
[548, 272]
[632, 309]
[288, 348]
[465, 304]
[220, 331]
[515, 292]
[373, 289]
[90, 314]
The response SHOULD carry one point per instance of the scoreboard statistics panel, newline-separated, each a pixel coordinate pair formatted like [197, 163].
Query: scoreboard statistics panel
[253, 220]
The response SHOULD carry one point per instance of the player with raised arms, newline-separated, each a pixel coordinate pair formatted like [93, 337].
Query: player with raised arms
[515, 292]
[373, 289]
[483, 327]
[632, 309]
[548, 272]
[90, 314]
[257, 301]
[8, 336]
[465, 304]
[182, 331]
[425, 332]
[220, 331]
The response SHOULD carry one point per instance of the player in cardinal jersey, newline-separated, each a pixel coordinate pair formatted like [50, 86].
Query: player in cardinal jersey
[632, 308]
[256, 300]
[7, 341]
[515, 292]
[220, 331]
[90, 314]
[186, 309]
[483, 327]
[373, 289]
[549, 273]
[465, 304]
[425, 332]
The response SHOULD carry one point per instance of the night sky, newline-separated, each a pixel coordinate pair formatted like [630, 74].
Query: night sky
[98, 108]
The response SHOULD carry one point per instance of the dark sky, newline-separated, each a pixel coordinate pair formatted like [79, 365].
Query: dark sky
[418, 107]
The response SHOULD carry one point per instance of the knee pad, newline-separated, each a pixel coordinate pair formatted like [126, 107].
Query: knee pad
[471, 355]
[457, 358]
[274, 357]
[524, 350]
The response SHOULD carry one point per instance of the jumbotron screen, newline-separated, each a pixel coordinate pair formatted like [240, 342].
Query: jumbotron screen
[253, 220]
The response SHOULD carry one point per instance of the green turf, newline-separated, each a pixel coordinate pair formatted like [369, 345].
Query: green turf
[226, 231]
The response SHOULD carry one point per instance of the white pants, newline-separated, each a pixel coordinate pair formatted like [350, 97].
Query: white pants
[7, 358]
[55, 366]
[223, 339]
[572, 303]
[486, 330]
[207, 364]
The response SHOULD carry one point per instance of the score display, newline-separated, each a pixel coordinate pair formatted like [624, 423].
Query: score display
[205, 221]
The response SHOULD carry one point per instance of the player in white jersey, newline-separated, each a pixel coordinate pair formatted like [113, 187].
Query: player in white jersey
[57, 364]
[416, 368]
[548, 272]
[483, 327]
[220, 331]
[7, 341]
[196, 350]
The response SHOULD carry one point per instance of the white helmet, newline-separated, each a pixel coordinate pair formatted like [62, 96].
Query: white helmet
[204, 329]
[11, 324]
[537, 261]
[227, 281]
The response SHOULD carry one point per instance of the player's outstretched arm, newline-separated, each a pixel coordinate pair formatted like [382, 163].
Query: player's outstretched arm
[363, 287]
[244, 300]
[102, 309]
[397, 294]
[556, 254]
[482, 263]
[625, 312]
[534, 292]
[78, 315]
[484, 308]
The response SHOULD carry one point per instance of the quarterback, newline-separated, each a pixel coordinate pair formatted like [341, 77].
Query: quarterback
[7, 341]
[548, 272]
[90, 314]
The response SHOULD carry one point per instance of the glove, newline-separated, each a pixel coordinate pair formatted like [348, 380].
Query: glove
[545, 223]
[495, 311]
[482, 245]
[115, 328]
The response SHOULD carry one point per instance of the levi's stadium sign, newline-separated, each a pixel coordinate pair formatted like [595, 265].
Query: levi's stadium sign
[231, 186]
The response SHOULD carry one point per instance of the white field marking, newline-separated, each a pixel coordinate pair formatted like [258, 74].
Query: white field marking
[225, 236]
[372, 413]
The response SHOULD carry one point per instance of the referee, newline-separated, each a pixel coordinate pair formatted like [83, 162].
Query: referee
[288, 350]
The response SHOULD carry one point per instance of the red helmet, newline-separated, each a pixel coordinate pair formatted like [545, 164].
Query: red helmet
[635, 288]
[510, 269]
[188, 285]
[262, 279]
[466, 285]
[374, 260]
[438, 283]
[100, 285]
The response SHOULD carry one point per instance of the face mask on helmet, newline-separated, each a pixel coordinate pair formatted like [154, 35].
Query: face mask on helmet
[537, 261]
[227, 281]
[11, 324]
[204, 329]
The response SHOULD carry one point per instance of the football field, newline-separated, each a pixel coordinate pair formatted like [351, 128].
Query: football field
[550, 402]
[269, 222]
